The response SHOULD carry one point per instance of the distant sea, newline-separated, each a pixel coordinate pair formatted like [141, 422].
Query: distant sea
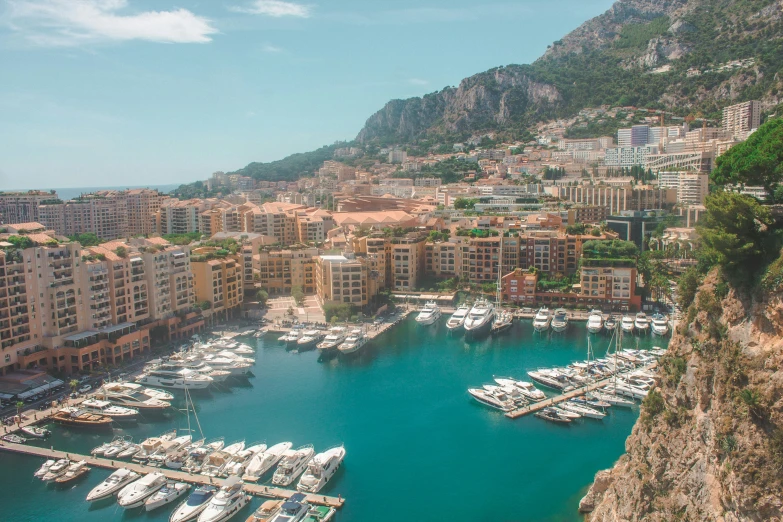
[72, 192]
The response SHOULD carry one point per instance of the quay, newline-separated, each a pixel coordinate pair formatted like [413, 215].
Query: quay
[553, 401]
[181, 476]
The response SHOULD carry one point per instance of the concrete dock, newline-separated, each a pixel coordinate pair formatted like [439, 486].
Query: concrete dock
[553, 401]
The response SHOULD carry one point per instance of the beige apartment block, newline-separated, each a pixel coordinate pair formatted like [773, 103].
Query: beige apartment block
[218, 282]
[408, 261]
[281, 270]
[23, 207]
[143, 204]
[340, 279]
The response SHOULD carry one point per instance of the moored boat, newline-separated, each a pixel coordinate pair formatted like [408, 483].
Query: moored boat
[293, 510]
[542, 320]
[595, 321]
[44, 469]
[320, 469]
[333, 339]
[264, 461]
[136, 493]
[56, 469]
[500, 402]
[77, 417]
[457, 319]
[354, 342]
[113, 483]
[659, 325]
[265, 511]
[560, 320]
[166, 495]
[196, 502]
[641, 323]
[36, 432]
[292, 465]
[627, 324]
[429, 314]
[479, 319]
[75, 471]
[227, 502]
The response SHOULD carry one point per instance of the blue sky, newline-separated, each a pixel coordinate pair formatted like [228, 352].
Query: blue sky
[114, 92]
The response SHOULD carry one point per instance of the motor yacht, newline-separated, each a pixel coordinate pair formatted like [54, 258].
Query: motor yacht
[503, 321]
[151, 445]
[527, 389]
[175, 459]
[80, 418]
[168, 450]
[237, 464]
[132, 395]
[333, 339]
[457, 319]
[166, 495]
[98, 451]
[582, 410]
[113, 483]
[542, 320]
[44, 469]
[627, 324]
[291, 338]
[512, 392]
[221, 363]
[216, 460]
[320, 469]
[551, 415]
[36, 432]
[75, 471]
[129, 452]
[309, 339]
[292, 465]
[660, 325]
[264, 461]
[198, 456]
[429, 314]
[227, 502]
[169, 376]
[479, 318]
[641, 323]
[595, 321]
[611, 398]
[610, 325]
[592, 402]
[117, 413]
[560, 320]
[265, 511]
[498, 401]
[353, 343]
[567, 414]
[193, 506]
[118, 447]
[56, 469]
[136, 493]
[319, 514]
[551, 379]
[293, 510]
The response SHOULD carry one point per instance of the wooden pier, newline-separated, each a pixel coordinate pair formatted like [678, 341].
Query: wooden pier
[553, 401]
[181, 476]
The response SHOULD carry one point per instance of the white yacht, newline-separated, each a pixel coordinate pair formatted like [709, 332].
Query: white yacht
[292, 465]
[195, 364]
[176, 378]
[44, 469]
[263, 461]
[595, 321]
[581, 409]
[494, 400]
[480, 317]
[197, 457]
[118, 447]
[227, 502]
[429, 314]
[291, 337]
[627, 324]
[56, 469]
[293, 510]
[113, 483]
[218, 459]
[610, 325]
[353, 343]
[551, 379]
[166, 495]
[457, 319]
[560, 320]
[527, 389]
[134, 494]
[117, 413]
[309, 339]
[221, 363]
[320, 469]
[151, 445]
[132, 395]
[641, 323]
[237, 464]
[660, 326]
[542, 320]
[333, 339]
[197, 502]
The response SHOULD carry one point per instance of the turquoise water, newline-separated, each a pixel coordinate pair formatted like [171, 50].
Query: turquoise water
[418, 447]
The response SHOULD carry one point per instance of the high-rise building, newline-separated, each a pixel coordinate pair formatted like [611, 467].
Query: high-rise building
[22, 207]
[142, 204]
[636, 136]
[341, 279]
[692, 187]
[104, 214]
[742, 118]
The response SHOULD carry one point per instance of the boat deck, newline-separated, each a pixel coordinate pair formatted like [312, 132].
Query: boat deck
[253, 489]
[553, 401]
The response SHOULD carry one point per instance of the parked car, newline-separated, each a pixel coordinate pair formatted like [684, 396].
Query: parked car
[85, 388]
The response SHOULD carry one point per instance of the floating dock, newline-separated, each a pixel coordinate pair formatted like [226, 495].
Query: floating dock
[553, 401]
[181, 476]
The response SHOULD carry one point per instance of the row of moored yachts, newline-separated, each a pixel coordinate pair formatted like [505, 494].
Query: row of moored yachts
[206, 504]
[658, 324]
[337, 339]
[482, 317]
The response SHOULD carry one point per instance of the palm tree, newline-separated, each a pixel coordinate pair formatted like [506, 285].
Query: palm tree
[19, 406]
[73, 384]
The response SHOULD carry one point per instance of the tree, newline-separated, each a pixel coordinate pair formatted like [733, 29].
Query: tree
[121, 251]
[575, 229]
[298, 295]
[756, 161]
[465, 203]
[262, 296]
[87, 239]
[19, 406]
[687, 287]
[73, 384]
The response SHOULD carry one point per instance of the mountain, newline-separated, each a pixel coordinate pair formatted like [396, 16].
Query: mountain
[687, 56]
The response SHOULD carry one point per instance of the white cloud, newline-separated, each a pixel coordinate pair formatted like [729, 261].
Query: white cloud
[74, 22]
[418, 81]
[272, 49]
[275, 8]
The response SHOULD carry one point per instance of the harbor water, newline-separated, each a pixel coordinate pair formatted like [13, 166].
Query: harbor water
[418, 446]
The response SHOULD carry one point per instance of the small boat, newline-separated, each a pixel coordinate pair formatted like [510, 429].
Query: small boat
[591, 402]
[57, 469]
[627, 324]
[293, 510]
[166, 495]
[582, 410]
[13, 438]
[291, 338]
[113, 483]
[320, 469]
[333, 339]
[503, 321]
[264, 461]
[319, 514]
[551, 379]
[641, 323]
[500, 402]
[292, 465]
[429, 314]
[99, 451]
[612, 399]
[353, 343]
[527, 389]
[77, 417]
[36, 432]
[129, 452]
[44, 469]
[560, 320]
[542, 320]
[660, 325]
[198, 456]
[552, 416]
[75, 470]
[119, 447]
[266, 511]
[566, 414]
[457, 319]
[151, 445]
[218, 459]
[610, 325]
[136, 493]
[236, 466]
[479, 318]
[192, 507]
[226, 503]
[595, 321]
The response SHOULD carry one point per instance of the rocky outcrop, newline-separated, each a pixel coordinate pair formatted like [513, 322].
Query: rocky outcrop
[712, 448]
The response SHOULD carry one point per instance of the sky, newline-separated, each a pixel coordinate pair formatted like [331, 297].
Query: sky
[116, 92]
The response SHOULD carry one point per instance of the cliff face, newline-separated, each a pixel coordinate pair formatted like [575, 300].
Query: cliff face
[712, 447]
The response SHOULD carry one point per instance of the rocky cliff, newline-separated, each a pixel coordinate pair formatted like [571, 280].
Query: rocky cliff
[685, 55]
[709, 443]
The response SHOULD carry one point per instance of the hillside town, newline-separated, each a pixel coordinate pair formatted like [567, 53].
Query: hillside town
[523, 220]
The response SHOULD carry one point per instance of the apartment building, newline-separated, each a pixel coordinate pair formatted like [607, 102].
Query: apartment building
[407, 261]
[611, 285]
[617, 199]
[588, 214]
[218, 283]
[103, 213]
[481, 257]
[22, 207]
[279, 271]
[340, 279]
[740, 119]
[692, 187]
[180, 216]
[636, 136]
[518, 286]
[443, 259]
[142, 205]
[276, 220]
[379, 250]
[552, 252]
[629, 156]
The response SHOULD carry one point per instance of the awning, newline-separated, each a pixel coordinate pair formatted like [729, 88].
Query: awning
[5, 396]
[40, 389]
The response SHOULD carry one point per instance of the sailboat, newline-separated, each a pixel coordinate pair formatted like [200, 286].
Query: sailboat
[177, 459]
[503, 318]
